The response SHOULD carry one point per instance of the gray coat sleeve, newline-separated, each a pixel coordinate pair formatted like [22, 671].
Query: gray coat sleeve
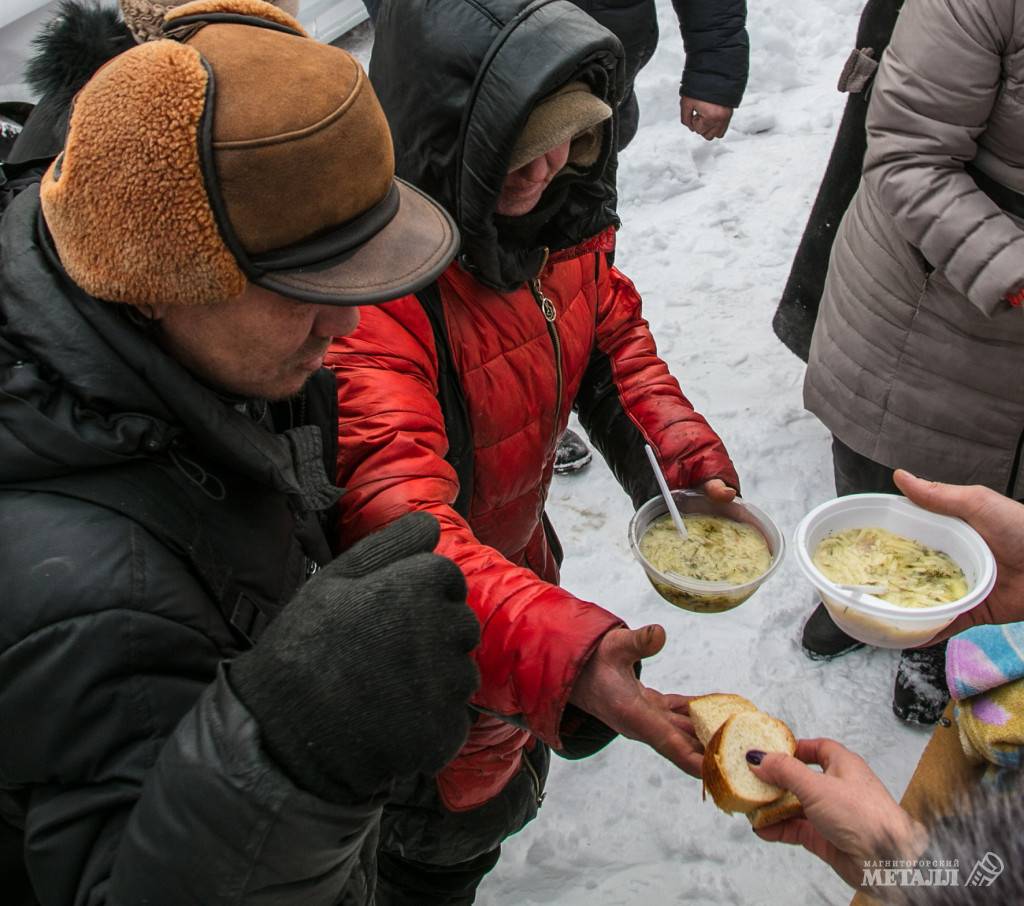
[932, 99]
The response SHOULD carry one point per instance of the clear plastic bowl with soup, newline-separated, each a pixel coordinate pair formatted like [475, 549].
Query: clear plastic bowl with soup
[693, 594]
[869, 618]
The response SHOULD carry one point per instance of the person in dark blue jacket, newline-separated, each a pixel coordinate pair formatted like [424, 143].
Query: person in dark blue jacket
[717, 57]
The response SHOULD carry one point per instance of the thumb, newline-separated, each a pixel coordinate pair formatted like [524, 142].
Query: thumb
[645, 641]
[946, 499]
[414, 533]
[789, 773]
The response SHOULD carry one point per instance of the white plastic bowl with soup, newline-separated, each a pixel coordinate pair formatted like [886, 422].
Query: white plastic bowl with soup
[934, 567]
[913, 575]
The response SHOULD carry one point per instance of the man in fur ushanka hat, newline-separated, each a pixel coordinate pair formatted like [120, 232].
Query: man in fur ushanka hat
[186, 718]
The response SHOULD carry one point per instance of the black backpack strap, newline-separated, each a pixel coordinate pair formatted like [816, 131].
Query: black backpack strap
[452, 399]
[145, 493]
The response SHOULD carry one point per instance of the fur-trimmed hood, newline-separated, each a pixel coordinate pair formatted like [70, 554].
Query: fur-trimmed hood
[79, 39]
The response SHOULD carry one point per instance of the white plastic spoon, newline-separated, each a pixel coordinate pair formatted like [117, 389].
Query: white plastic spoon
[865, 589]
[666, 493]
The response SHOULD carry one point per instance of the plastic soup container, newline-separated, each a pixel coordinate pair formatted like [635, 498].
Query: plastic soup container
[694, 594]
[868, 618]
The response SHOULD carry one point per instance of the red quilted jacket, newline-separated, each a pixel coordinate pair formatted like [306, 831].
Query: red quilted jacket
[520, 371]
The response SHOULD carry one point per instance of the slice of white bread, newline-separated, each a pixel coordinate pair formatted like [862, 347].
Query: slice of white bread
[709, 712]
[727, 775]
[786, 806]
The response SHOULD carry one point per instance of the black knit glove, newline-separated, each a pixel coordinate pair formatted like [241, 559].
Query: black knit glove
[365, 676]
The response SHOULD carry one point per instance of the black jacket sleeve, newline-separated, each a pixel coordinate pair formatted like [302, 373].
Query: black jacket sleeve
[717, 50]
[217, 822]
[141, 776]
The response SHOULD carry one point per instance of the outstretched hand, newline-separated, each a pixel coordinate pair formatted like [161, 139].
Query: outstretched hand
[850, 818]
[608, 688]
[1000, 521]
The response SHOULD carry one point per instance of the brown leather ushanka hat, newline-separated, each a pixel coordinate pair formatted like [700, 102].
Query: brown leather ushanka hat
[241, 150]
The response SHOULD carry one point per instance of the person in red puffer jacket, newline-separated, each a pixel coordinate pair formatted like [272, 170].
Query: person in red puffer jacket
[452, 402]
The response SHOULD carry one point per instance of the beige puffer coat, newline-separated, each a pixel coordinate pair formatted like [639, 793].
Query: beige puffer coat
[917, 360]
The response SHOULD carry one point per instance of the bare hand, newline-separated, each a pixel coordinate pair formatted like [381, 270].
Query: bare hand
[706, 119]
[608, 689]
[850, 816]
[718, 491]
[1000, 521]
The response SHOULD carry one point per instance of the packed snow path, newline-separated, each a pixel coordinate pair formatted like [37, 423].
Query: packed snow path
[709, 231]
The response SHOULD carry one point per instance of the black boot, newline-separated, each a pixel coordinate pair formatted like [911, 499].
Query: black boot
[572, 454]
[823, 640]
[921, 694]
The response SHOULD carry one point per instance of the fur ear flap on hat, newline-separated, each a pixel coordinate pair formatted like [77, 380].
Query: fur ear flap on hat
[101, 209]
[571, 112]
[241, 150]
[145, 18]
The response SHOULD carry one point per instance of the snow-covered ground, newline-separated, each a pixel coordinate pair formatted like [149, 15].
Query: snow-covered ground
[709, 231]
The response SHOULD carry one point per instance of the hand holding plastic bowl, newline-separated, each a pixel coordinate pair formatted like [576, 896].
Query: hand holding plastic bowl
[863, 616]
[869, 618]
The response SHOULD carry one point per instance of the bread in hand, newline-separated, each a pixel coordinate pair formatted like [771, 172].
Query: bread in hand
[727, 775]
[709, 712]
[786, 806]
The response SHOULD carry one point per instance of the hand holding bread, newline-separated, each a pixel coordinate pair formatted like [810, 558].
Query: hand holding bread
[753, 764]
[849, 818]
[608, 688]
[729, 726]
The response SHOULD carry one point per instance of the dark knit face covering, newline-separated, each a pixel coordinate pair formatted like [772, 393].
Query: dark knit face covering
[526, 231]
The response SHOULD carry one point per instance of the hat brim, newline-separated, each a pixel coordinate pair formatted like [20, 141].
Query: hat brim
[410, 252]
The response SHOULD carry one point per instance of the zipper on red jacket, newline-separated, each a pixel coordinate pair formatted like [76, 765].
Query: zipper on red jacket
[547, 308]
[539, 794]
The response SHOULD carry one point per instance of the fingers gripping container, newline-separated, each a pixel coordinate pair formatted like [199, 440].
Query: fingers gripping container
[868, 618]
[693, 594]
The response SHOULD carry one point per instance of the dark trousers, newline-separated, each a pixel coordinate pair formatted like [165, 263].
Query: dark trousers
[404, 882]
[856, 474]
[430, 856]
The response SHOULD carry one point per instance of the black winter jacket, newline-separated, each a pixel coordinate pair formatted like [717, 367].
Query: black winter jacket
[717, 50]
[714, 36]
[127, 763]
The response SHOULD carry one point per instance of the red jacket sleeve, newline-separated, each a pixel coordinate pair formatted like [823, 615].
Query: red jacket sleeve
[628, 398]
[535, 637]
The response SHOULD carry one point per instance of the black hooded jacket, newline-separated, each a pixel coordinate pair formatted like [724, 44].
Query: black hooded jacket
[129, 770]
[455, 123]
